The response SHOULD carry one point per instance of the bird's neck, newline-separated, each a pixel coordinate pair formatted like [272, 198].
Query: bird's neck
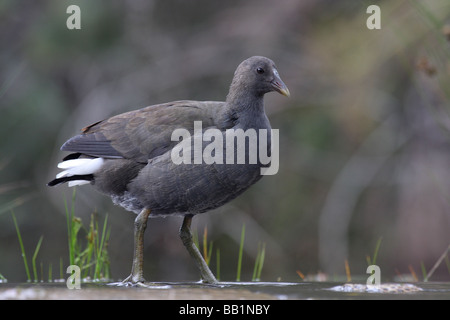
[245, 112]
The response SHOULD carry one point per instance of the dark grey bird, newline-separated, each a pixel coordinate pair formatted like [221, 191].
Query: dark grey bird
[130, 156]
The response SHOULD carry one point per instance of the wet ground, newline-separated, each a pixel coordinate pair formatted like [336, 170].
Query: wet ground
[225, 291]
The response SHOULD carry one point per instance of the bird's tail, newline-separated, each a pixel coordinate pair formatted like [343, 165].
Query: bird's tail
[77, 171]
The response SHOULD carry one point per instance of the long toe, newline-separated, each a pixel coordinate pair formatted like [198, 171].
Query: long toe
[132, 280]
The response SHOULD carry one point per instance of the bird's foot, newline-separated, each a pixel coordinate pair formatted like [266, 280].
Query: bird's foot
[132, 281]
[212, 284]
[207, 277]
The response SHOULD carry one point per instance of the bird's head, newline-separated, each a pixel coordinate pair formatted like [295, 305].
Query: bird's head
[259, 75]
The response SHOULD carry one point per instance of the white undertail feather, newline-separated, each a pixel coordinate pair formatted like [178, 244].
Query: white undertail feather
[79, 167]
[77, 183]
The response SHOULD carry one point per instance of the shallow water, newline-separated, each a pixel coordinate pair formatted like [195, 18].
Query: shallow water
[223, 291]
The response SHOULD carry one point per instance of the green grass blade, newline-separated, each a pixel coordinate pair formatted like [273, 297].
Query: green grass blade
[106, 269]
[50, 279]
[218, 264]
[27, 270]
[100, 252]
[69, 217]
[107, 262]
[33, 260]
[210, 251]
[424, 271]
[75, 225]
[259, 262]
[255, 268]
[86, 256]
[262, 256]
[377, 249]
[241, 250]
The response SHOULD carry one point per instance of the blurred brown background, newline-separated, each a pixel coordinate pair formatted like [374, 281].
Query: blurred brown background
[365, 143]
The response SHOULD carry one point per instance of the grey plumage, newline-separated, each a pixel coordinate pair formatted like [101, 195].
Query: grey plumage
[138, 172]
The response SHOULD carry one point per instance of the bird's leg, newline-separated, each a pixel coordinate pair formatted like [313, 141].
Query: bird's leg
[186, 237]
[137, 270]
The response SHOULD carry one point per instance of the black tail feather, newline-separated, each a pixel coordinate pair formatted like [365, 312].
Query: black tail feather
[72, 156]
[87, 177]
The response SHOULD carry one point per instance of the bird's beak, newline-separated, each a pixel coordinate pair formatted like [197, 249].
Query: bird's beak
[279, 85]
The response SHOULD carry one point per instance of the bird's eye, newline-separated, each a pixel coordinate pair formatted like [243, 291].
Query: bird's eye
[260, 70]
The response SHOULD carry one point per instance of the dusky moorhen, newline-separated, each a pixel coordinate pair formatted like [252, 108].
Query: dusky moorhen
[130, 156]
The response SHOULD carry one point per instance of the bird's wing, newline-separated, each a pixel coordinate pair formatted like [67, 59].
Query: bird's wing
[142, 134]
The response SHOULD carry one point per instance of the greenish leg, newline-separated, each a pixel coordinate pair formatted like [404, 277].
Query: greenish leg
[186, 237]
[137, 270]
